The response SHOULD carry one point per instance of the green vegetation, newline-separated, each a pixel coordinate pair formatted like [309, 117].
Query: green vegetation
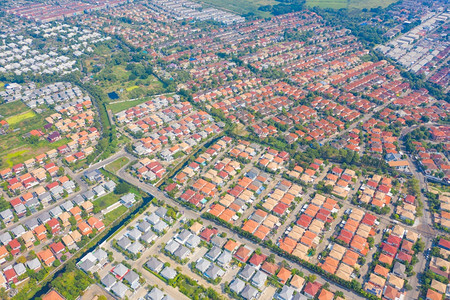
[13, 120]
[193, 290]
[117, 164]
[122, 105]
[243, 7]
[349, 4]
[114, 215]
[12, 108]
[105, 201]
[72, 284]
[129, 81]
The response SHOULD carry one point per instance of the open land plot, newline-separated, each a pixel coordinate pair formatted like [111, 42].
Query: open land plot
[13, 120]
[14, 148]
[114, 215]
[122, 105]
[117, 164]
[350, 4]
[242, 7]
[22, 150]
[12, 109]
[105, 201]
[129, 89]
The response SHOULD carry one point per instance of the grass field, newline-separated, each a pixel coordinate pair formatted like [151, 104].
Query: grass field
[117, 164]
[105, 201]
[116, 107]
[114, 215]
[350, 4]
[13, 120]
[12, 108]
[242, 7]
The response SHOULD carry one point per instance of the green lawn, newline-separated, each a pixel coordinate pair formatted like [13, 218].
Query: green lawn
[116, 107]
[350, 4]
[242, 7]
[105, 201]
[117, 164]
[114, 215]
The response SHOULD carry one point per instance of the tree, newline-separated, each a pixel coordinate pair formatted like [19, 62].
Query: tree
[419, 246]
[121, 188]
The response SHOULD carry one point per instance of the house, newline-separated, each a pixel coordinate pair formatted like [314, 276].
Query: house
[259, 279]
[243, 253]
[249, 292]
[7, 216]
[40, 232]
[286, 293]
[311, 289]
[54, 225]
[168, 273]
[53, 295]
[155, 294]
[94, 175]
[34, 264]
[247, 272]
[237, 285]
[84, 228]
[57, 248]
[108, 281]
[46, 257]
[214, 272]
[133, 279]
[224, 259]
[28, 239]
[154, 264]
[120, 271]
[213, 253]
[15, 246]
[119, 289]
[20, 269]
[3, 254]
[10, 275]
[128, 200]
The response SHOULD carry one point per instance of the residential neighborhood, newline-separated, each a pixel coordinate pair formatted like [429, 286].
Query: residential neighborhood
[162, 149]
